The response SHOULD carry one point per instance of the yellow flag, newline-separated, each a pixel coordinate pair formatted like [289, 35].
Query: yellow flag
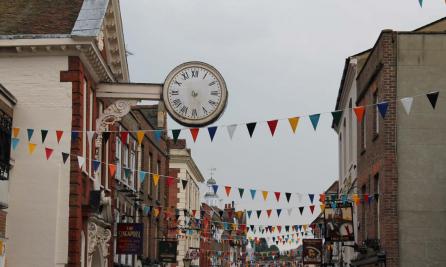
[15, 132]
[156, 212]
[322, 207]
[140, 136]
[31, 148]
[265, 195]
[156, 178]
[293, 123]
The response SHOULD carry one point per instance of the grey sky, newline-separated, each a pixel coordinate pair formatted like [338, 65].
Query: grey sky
[280, 59]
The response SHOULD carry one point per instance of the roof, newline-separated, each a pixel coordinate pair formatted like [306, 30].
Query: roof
[150, 113]
[18, 17]
[5, 93]
[49, 17]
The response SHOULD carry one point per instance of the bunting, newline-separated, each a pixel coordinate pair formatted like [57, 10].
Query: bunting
[184, 183]
[175, 135]
[293, 123]
[251, 127]
[231, 130]
[265, 195]
[15, 142]
[228, 190]
[382, 108]
[31, 148]
[155, 178]
[194, 133]
[112, 169]
[44, 133]
[359, 112]
[272, 126]
[212, 131]
[48, 152]
[241, 191]
[315, 120]
[433, 97]
[65, 157]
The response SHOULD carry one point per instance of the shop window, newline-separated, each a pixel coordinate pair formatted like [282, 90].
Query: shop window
[5, 144]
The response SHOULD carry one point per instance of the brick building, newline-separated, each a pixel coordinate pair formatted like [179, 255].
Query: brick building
[401, 154]
[56, 59]
[185, 199]
[7, 103]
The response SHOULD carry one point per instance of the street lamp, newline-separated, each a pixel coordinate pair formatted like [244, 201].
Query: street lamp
[187, 262]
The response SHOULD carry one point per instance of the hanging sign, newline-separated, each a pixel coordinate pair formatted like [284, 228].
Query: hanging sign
[130, 238]
[167, 251]
[312, 251]
[339, 222]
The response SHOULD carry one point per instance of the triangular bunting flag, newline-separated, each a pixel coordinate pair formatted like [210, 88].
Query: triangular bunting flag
[249, 212]
[407, 104]
[31, 148]
[359, 112]
[268, 212]
[48, 152]
[312, 209]
[251, 127]
[301, 209]
[15, 132]
[322, 198]
[231, 130]
[289, 211]
[15, 142]
[90, 135]
[382, 108]
[315, 120]
[65, 157]
[184, 184]
[212, 131]
[112, 169]
[74, 136]
[337, 115]
[288, 196]
[139, 136]
[433, 97]
[228, 190]
[265, 195]
[259, 212]
[215, 188]
[253, 193]
[124, 136]
[277, 194]
[420, 2]
[127, 172]
[105, 137]
[96, 164]
[81, 161]
[293, 123]
[59, 134]
[241, 191]
[142, 176]
[175, 135]
[158, 134]
[30, 134]
[272, 126]
[156, 178]
[311, 196]
[221, 213]
[194, 133]
[278, 212]
[322, 207]
[44, 134]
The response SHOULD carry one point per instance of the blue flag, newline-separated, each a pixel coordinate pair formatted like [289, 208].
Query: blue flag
[212, 131]
[382, 107]
[15, 142]
[315, 120]
[253, 193]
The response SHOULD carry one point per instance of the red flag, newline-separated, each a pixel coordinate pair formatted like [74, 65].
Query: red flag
[279, 228]
[170, 181]
[194, 133]
[277, 195]
[322, 198]
[124, 136]
[59, 136]
[48, 152]
[194, 212]
[272, 126]
[228, 190]
[268, 212]
[312, 209]
[359, 111]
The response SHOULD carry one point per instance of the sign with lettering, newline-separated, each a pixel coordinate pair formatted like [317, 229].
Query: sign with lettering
[167, 251]
[312, 251]
[130, 238]
[339, 222]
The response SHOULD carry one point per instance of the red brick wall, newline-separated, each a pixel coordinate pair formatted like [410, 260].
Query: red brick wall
[379, 156]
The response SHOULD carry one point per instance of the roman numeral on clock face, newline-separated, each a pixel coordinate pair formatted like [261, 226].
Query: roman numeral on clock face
[212, 83]
[185, 75]
[194, 113]
[184, 110]
[212, 102]
[174, 92]
[195, 74]
[214, 93]
[177, 102]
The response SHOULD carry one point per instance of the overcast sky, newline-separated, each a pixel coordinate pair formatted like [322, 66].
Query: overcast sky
[279, 59]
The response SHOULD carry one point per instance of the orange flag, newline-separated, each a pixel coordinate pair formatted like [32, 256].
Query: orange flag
[15, 132]
[31, 148]
[112, 169]
[139, 136]
[359, 111]
[156, 178]
[228, 190]
[293, 123]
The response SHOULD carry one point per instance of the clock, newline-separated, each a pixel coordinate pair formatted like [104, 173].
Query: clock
[195, 94]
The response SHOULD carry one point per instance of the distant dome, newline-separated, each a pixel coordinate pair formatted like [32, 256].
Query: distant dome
[211, 181]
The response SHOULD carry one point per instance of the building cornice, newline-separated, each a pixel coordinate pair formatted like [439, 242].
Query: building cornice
[190, 163]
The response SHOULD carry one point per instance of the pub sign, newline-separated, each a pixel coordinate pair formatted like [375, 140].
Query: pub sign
[130, 238]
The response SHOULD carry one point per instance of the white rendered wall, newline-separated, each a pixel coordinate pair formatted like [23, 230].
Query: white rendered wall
[37, 221]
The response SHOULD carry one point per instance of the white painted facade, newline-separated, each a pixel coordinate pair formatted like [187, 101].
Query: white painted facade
[39, 188]
[188, 199]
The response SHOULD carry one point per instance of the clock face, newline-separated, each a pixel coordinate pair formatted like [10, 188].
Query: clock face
[195, 94]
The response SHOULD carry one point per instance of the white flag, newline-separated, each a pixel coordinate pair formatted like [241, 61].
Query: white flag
[407, 104]
[90, 135]
[81, 161]
[289, 211]
[231, 130]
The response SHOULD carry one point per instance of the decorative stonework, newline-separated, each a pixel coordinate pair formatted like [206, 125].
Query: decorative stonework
[98, 238]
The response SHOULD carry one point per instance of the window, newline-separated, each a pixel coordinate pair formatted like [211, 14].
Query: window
[5, 144]
[344, 148]
[364, 215]
[158, 168]
[132, 163]
[84, 123]
[375, 114]
[90, 128]
[118, 151]
[376, 199]
[350, 132]
[364, 133]
[341, 170]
